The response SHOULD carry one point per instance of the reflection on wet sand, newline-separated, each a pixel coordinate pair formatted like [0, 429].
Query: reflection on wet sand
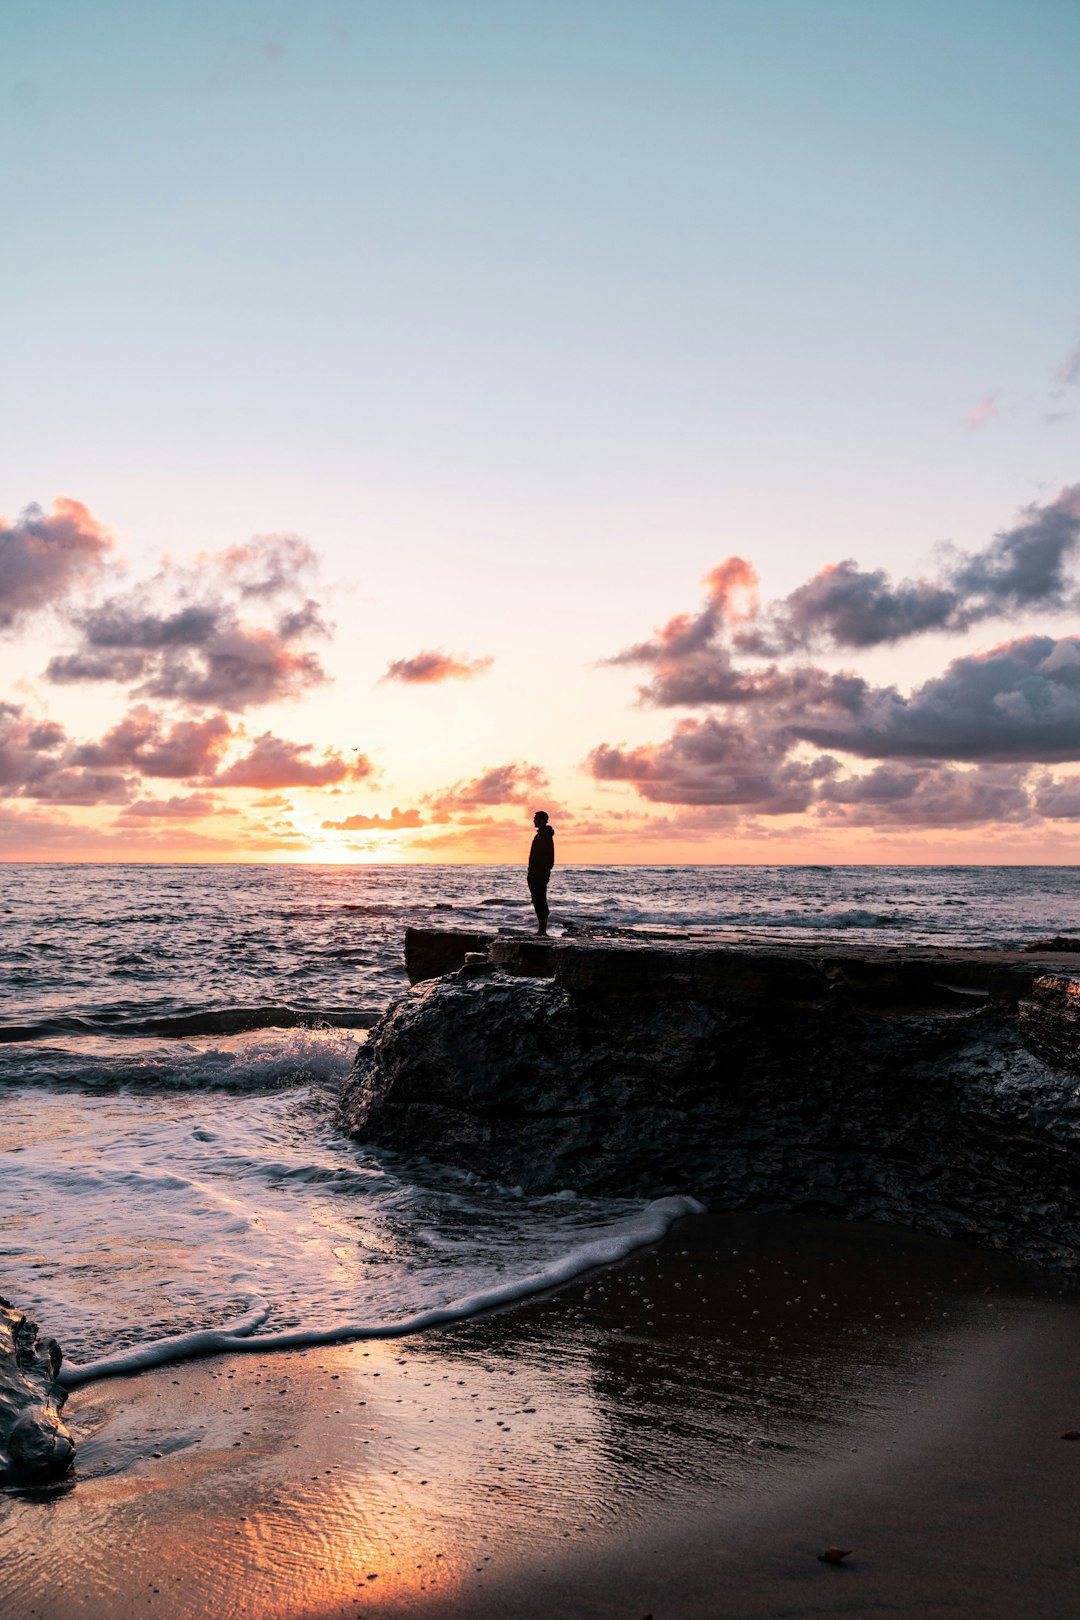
[409, 1475]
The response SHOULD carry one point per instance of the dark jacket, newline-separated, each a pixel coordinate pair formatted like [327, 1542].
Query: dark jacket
[542, 853]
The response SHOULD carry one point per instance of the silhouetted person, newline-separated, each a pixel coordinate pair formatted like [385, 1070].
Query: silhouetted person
[541, 860]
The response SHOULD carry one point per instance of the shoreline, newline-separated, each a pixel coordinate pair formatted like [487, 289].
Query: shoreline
[681, 1433]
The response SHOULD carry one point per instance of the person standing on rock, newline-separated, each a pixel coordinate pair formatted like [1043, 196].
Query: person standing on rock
[541, 861]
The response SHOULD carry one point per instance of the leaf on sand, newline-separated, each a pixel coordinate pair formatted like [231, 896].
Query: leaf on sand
[835, 1555]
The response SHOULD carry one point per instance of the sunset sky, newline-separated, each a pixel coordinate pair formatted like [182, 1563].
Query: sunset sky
[416, 414]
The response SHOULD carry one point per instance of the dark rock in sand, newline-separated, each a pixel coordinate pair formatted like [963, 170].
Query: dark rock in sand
[35, 1443]
[926, 1088]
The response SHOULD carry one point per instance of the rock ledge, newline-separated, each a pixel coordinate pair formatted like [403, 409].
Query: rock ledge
[925, 1087]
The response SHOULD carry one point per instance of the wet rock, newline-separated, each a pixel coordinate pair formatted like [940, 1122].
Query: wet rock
[1050, 1021]
[870, 1084]
[430, 952]
[35, 1443]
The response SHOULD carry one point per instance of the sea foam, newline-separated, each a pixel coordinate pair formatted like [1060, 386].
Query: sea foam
[649, 1226]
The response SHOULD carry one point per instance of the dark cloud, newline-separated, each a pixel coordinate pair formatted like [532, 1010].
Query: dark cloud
[716, 763]
[68, 785]
[936, 796]
[767, 745]
[391, 823]
[1058, 798]
[146, 742]
[180, 636]
[846, 606]
[431, 665]
[37, 762]
[843, 606]
[1017, 702]
[515, 783]
[29, 748]
[43, 557]
[68, 669]
[1013, 706]
[711, 676]
[1027, 566]
[274, 762]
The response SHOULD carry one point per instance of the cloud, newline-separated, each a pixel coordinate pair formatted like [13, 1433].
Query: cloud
[731, 598]
[940, 796]
[184, 807]
[391, 823]
[25, 746]
[957, 750]
[844, 606]
[1067, 374]
[269, 565]
[713, 762]
[515, 783]
[180, 636]
[1016, 702]
[274, 762]
[66, 785]
[36, 763]
[432, 665]
[1058, 799]
[146, 742]
[981, 413]
[44, 557]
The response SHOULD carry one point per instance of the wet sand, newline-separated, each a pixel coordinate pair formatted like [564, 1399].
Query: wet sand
[680, 1436]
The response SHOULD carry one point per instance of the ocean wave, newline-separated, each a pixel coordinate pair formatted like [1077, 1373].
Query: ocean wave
[855, 918]
[649, 1226]
[255, 1061]
[199, 1021]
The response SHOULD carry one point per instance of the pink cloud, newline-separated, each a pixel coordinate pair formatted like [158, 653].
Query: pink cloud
[431, 665]
[515, 783]
[43, 558]
[183, 807]
[396, 820]
[275, 762]
[145, 741]
[982, 413]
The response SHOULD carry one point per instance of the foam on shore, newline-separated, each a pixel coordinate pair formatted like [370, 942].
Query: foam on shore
[649, 1226]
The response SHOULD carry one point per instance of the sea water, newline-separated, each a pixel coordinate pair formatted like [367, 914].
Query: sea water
[172, 1041]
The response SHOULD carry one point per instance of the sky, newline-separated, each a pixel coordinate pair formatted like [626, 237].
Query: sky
[415, 413]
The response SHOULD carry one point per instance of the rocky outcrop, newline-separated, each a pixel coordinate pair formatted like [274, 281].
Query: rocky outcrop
[431, 952]
[35, 1443]
[1050, 1021]
[926, 1088]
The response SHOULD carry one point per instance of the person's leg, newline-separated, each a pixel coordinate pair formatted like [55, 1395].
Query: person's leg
[538, 891]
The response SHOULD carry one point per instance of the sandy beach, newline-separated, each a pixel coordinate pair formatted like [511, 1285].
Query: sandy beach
[680, 1436]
